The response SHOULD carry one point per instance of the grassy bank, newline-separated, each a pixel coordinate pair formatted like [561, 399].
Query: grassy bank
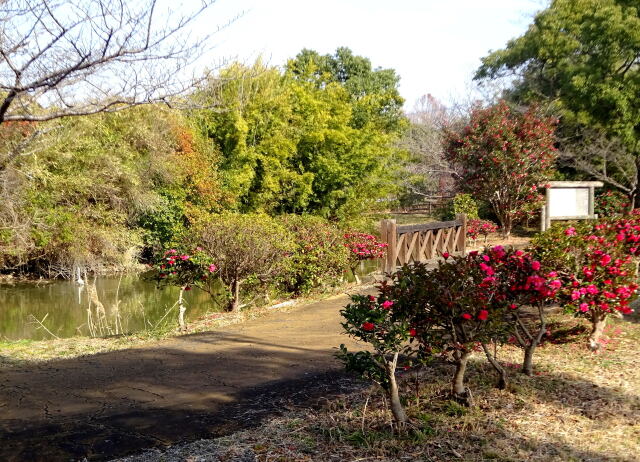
[578, 406]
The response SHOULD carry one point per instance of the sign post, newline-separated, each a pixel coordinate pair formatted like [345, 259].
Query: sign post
[569, 200]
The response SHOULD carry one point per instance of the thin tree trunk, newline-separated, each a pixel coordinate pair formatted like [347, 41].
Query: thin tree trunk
[234, 305]
[530, 348]
[182, 310]
[399, 414]
[459, 390]
[502, 373]
[598, 323]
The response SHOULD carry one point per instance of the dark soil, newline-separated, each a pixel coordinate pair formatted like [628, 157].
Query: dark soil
[195, 386]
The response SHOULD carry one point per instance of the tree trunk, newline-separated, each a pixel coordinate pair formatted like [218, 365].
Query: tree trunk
[459, 390]
[527, 364]
[182, 310]
[399, 415]
[598, 323]
[234, 304]
[502, 373]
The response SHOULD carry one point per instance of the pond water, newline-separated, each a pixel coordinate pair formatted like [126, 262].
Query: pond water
[131, 304]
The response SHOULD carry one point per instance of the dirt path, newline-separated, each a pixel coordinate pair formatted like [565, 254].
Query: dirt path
[195, 386]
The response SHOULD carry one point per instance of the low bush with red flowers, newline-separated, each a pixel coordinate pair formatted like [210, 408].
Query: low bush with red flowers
[377, 321]
[479, 227]
[363, 246]
[611, 203]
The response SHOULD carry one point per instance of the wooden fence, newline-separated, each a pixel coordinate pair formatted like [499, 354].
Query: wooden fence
[420, 243]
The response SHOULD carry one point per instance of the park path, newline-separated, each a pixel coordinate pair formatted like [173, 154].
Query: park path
[193, 386]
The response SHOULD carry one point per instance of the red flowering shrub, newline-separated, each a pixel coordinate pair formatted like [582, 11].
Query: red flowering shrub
[184, 270]
[525, 289]
[480, 227]
[504, 156]
[611, 203]
[363, 246]
[378, 322]
[453, 309]
[596, 261]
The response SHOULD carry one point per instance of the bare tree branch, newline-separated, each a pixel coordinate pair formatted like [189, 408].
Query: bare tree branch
[63, 58]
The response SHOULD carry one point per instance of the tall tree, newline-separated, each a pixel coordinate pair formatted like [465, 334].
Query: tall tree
[290, 145]
[582, 58]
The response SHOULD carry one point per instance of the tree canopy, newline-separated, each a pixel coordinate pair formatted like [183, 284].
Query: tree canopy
[582, 56]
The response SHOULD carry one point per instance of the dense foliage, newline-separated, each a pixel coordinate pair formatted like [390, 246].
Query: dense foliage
[504, 156]
[102, 193]
[579, 58]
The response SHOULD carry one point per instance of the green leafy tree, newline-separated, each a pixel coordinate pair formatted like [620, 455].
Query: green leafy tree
[581, 57]
[289, 145]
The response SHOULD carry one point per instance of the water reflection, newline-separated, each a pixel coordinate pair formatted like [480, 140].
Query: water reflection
[118, 305]
[130, 304]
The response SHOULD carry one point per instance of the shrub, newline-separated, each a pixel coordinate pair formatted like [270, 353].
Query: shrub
[596, 262]
[611, 203]
[479, 227]
[464, 203]
[319, 256]
[363, 246]
[378, 322]
[244, 247]
[184, 270]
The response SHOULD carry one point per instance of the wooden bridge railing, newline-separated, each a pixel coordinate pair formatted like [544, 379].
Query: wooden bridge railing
[420, 243]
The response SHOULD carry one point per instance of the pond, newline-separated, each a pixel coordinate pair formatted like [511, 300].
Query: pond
[65, 309]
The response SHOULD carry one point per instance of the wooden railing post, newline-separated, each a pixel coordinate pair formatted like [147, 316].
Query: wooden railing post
[462, 238]
[392, 240]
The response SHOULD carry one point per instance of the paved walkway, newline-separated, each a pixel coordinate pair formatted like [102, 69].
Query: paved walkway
[194, 386]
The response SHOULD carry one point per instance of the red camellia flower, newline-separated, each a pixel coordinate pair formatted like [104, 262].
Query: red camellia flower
[368, 326]
[446, 255]
[387, 304]
[483, 315]
[412, 332]
[466, 316]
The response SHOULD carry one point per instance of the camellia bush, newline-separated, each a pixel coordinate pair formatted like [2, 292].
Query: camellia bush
[611, 203]
[185, 270]
[596, 260]
[363, 246]
[319, 256]
[378, 322]
[478, 227]
[245, 247]
[504, 157]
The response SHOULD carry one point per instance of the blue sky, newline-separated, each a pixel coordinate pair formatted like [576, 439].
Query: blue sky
[434, 45]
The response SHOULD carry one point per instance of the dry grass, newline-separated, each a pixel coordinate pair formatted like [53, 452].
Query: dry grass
[579, 406]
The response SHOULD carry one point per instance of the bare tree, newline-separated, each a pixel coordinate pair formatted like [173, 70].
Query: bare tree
[427, 172]
[77, 57]
[604, 158]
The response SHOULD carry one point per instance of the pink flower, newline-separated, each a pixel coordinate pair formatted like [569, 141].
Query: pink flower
[387, 304]
[570, 231]
[575, 295]
[212, 268]
[605, 260]
[535, 265]
[584, 307]
[592, 290]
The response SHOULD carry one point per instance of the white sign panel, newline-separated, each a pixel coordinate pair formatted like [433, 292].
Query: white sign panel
[568, 202]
